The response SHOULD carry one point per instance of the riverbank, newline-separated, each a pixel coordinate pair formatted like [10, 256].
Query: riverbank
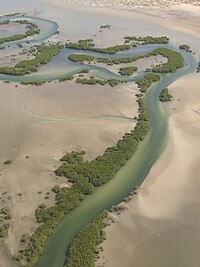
[164, 214]
[44, 124]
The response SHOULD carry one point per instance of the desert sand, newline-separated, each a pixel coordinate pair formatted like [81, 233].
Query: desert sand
[44, 123]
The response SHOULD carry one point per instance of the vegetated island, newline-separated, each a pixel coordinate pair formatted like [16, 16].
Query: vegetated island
[43, 55]
[175, 60]
[128, 70]
[31, 27]
[165, 95]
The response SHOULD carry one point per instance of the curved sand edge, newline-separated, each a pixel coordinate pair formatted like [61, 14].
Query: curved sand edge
[161, 226]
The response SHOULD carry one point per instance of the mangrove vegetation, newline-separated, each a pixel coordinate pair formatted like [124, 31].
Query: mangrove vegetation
[32, 29]
[165, 95]
[84, 177]
[128, 70]
[44, 54]
[83, 249]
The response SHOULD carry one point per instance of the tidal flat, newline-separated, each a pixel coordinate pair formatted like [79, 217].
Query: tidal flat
[45, 122]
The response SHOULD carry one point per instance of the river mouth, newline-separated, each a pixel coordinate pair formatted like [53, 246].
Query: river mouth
[135, 171]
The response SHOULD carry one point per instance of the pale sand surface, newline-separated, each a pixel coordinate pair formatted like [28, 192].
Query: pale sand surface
[161, 226]
[129, 4]
[142, 64]
[45, 122]
[12, 29]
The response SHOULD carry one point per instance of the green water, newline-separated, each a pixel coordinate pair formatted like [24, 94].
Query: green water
[132, 174]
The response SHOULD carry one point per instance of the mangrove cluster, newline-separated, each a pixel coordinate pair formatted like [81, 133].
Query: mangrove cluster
[185, 47]
[44, 54]
[4, 221]
[84, 176]
[175, 60]
[145, 82]
[89, 45]
[32, 29]
[128, 70]
[147, 40]
[83, 249]
[165, 95]
[92, 81]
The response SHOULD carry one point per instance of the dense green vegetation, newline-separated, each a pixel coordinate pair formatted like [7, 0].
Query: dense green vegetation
[32, 29]
[84, 176]
[175, 60]
[4, 229]
[66, 78]
[10, 15]
[147, 40]
[44, 54]
[89, 45]
[5, 22]
[145, 82]
[4, 216]
[92, 81]
[116, 61]
[165, 95]
[83, 249]
[80, 58]
[185, 47]
[128, 70]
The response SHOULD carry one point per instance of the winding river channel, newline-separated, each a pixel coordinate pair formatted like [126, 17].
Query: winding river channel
[136, 169]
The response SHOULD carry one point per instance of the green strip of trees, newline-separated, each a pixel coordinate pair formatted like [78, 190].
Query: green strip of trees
[148, 39]
[44, 54]
[32, 29]
[175, 60]
[128, 70]
[83, 249]
[89, 45]
[84, 176]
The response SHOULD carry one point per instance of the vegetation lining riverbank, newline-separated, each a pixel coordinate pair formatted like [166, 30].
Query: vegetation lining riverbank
[31, 27]
[175, 60]
[83, 250]
[85, 177]
[44, 54]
